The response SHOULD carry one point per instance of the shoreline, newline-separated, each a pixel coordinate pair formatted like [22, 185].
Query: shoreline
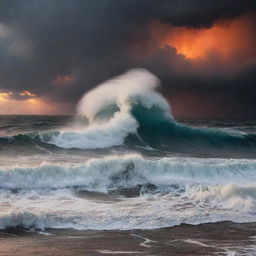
[221, 238]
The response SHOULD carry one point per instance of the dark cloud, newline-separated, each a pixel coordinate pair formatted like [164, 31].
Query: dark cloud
[91, 40]
[201, 13]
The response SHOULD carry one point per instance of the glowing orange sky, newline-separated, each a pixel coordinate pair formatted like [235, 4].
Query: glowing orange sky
[27, 93]
[27, 103]
[4, 96]
[30, 106]
[227, 39]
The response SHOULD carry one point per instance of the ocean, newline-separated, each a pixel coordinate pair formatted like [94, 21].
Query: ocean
[125, 163]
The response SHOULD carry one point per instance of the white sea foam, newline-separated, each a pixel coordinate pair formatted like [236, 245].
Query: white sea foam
[134, 85]
[132, 170]
[61, 209]
[186, 190]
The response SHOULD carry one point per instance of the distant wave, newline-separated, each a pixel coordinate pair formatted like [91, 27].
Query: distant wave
[128, 172]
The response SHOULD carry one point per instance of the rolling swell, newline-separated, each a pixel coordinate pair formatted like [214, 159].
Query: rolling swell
[116, 172]
[27, 142]
[154, 130]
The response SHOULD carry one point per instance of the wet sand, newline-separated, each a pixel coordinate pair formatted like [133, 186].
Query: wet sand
[222, 238]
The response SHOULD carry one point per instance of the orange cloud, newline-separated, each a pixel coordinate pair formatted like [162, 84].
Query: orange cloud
[27, 103]
[223, 38]
[231, 42]
[4, 96]
[32, 106]
[27, 93]
[61, 80]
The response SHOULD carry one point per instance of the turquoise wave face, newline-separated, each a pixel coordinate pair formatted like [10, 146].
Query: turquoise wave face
[159, 131]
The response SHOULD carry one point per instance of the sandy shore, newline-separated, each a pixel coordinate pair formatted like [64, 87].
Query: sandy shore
[223, 238]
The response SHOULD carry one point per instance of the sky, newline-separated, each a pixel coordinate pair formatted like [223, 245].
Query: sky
[203, 51]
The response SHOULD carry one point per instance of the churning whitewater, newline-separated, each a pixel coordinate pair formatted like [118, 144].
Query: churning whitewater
[124, 162]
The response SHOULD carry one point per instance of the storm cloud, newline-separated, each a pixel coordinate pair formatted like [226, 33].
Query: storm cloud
[59, 49]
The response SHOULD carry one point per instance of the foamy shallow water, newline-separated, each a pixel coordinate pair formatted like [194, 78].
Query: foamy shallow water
[130, 192]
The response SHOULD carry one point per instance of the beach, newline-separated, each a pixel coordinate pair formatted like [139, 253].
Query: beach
[222, 238]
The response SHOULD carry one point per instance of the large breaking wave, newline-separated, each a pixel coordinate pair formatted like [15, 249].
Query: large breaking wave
[127, 110]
